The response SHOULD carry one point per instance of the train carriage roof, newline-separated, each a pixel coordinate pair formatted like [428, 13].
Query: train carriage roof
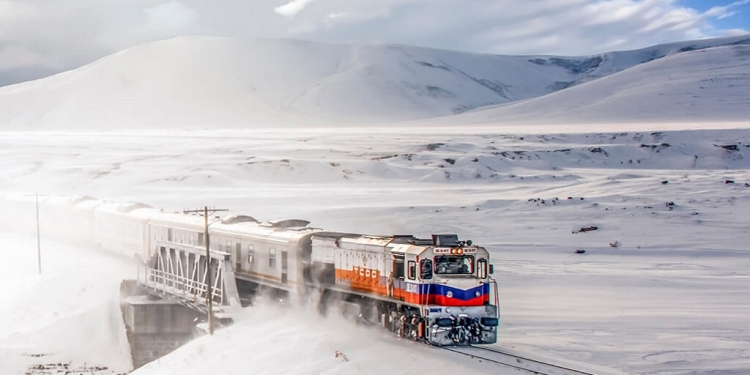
[56, 200]
[397, 245]
[128, 210]
[265, 231]
[235, 219]
[85, 202]
[179, 220]
[70, 204]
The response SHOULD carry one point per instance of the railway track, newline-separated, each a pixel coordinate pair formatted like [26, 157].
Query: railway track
[529, 365]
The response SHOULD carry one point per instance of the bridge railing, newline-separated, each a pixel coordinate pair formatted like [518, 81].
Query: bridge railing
[176, 286]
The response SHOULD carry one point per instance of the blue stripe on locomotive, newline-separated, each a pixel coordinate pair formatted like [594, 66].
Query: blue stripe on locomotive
[442, 290]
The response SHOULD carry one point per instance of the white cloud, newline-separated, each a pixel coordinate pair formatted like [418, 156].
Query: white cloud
[735, 32]
[721, 12]
[292, 8]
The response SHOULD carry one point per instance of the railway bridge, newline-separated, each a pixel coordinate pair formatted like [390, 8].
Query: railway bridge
[190, 287]
[178, 272]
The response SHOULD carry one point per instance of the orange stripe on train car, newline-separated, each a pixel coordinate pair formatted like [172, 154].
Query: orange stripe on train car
[362, 279]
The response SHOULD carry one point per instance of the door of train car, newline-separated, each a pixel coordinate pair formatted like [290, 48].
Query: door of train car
[238, 257]
[284, 267]
[396, 276]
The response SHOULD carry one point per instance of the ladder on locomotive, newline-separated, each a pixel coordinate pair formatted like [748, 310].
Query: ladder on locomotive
[178, 272]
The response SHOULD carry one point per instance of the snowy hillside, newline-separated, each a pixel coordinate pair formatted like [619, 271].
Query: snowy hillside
[202, 82]
[698, 86]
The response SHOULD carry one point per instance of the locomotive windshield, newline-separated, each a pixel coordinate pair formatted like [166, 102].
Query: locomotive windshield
[454, 264]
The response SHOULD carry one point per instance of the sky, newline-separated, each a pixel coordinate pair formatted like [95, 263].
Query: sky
[42, 37]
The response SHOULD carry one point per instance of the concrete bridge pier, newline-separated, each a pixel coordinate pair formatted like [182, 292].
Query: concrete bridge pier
[155, 327]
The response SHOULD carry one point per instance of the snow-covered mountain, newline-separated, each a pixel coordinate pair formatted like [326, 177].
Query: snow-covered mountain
[707, 85]
[205, 82]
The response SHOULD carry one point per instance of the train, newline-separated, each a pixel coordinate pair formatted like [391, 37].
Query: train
[439, 290]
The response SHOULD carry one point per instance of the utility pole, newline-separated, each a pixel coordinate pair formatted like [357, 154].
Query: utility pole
[38, 239]
[209, 292]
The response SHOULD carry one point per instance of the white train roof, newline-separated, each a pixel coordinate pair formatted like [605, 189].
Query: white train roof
[279, 231]
[56, 200]
[397, 245]
[85, 202]
[24, 198]
[372, 244]
[176, 219]
[76, 201]
[133, 210]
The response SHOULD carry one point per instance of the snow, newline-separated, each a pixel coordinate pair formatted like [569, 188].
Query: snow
[371, 138]
[695, 86]
[669, 300]
[274, 340]
[67, 314]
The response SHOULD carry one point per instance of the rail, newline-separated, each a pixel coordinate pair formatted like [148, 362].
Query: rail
[514, 361]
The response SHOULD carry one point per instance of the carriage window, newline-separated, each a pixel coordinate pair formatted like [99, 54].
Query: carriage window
[482, 268]
[412, 270]
[250, 251]
[454, 264]
[272, 258]
[426, 269]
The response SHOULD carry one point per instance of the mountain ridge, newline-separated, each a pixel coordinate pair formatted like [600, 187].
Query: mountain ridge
[211, 82]
[702, 85]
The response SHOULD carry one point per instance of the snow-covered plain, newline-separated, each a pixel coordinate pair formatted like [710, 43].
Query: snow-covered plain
[671, 299]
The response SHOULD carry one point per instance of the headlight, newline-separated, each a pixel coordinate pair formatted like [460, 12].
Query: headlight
[478, 293]
[449, 294]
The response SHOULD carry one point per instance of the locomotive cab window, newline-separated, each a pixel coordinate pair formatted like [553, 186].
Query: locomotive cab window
[454, 264]
[426, 269]
[412, 270]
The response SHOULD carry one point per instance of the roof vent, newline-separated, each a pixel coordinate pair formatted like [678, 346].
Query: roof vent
[289, 223]
[236, 219]
[79, 199]
[445, 239]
